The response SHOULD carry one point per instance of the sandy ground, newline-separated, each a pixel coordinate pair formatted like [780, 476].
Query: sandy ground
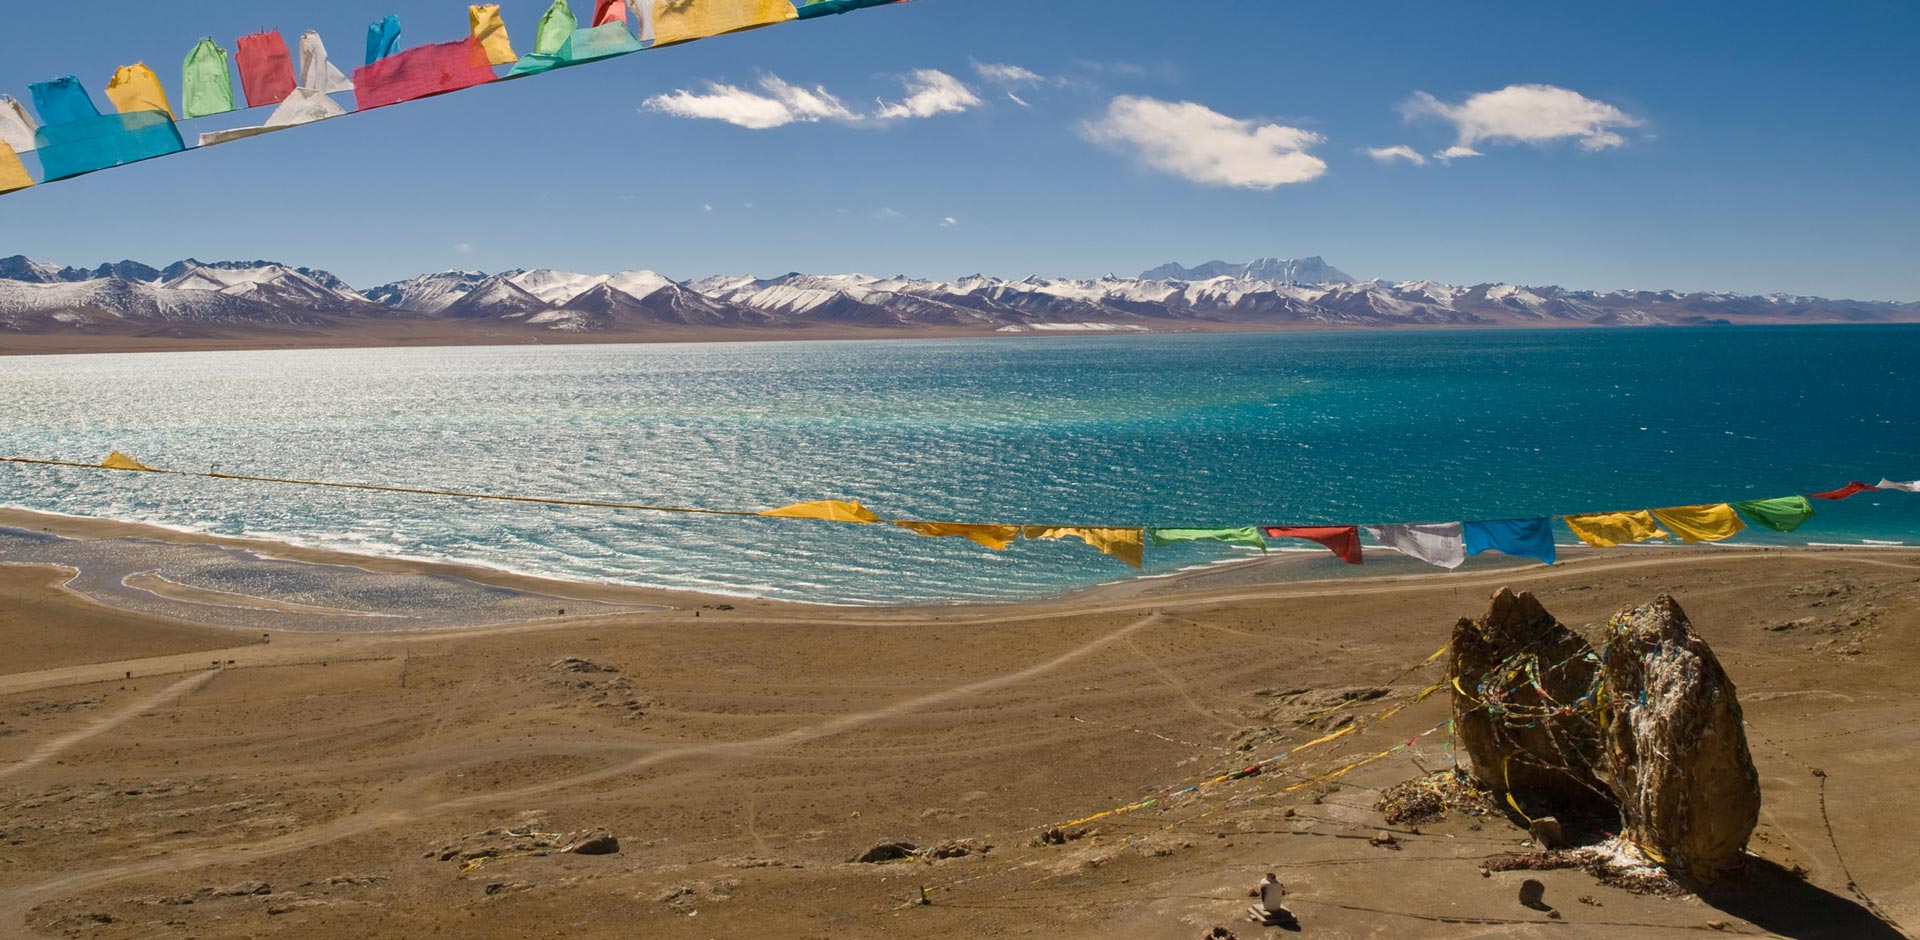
[310, 785]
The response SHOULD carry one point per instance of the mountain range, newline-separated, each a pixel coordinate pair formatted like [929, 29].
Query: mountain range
[231, 301]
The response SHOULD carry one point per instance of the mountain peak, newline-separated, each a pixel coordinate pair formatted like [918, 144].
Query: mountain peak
[1309, 270]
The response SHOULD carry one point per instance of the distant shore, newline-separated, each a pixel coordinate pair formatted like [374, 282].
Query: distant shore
[430, 334]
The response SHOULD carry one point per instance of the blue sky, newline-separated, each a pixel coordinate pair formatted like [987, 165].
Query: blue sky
[1751, 146]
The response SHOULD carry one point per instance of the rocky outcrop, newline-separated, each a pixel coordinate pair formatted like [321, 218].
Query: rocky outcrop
[1676, 747]
[1523, 686]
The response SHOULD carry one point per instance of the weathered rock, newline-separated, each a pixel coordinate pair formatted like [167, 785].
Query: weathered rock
[1546, 833]
[593, 842]
[887, 852]
[1537, 742]
[243, 889]
[1676, 746]
[1533, 894]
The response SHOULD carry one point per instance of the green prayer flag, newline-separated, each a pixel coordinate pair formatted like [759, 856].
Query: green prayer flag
[1782, 514]
[206, 82]
[555, 27]
[1245, 535]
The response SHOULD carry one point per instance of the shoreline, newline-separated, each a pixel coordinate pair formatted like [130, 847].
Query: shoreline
[438, 335]
[1275, 570]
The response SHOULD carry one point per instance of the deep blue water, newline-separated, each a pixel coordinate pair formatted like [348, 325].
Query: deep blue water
[1161, 430]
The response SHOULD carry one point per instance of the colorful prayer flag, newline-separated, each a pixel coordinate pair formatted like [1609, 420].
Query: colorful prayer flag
[1243, 535]
[1708, 523]
[1440, 544]
[421, 72]
[609, 11]
[62, 100]
[1607, 529]
[316, 72]
[206, 82]
[829, 510]
[683, 20]
[266, 68]
[76, 148]
[556, 25]
[1343, 541]
[304, 106]
[16, 125]
[136, 88]
[1128, 545]
[491, 33]
[120, 461]
[13, 173]
[383, 39]
[1908, 487]
[1522, 538]
[1782, 514]
[1851, 489]
[996, 537]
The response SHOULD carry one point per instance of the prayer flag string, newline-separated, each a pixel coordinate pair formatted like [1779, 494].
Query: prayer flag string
[1444, 545]
[73, 138]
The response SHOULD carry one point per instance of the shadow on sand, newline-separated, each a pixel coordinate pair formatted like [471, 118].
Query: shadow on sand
[1775, 900]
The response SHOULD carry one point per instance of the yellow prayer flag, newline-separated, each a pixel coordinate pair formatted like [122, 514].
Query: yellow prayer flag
[13, 173]
[491, 32]
[1607, 529]
[120, 461]
[1709, 523]
[829, 510]
[1128, 545]
[136, 88]
[996, 537]
[681, 20]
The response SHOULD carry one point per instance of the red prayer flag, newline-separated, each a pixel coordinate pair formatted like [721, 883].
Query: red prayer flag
[610, 11]
[266, 68]
[421, 72]
[1844, 492]
[1343, 541]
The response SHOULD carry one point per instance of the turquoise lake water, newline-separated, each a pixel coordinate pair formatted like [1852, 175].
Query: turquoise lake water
[1331, 428]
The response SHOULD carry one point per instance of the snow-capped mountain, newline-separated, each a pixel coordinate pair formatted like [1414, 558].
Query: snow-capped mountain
[192, 298]
[1312, 270]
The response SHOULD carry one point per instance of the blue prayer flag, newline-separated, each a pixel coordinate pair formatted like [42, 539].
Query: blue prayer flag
[1524, 538]
[76, 148]
[383, 39]
[62, 100]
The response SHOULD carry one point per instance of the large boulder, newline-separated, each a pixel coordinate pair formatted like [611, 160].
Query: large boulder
[1676, 748]
[1524, 707]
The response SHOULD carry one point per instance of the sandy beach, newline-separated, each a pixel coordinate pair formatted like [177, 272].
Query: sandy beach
[175, 761]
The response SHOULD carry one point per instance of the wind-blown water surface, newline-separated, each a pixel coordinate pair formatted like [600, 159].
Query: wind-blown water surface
[1200, 430]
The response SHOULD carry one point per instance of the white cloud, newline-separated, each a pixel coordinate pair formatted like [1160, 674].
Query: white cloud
[930, 92]
[1016, 99]
[1200, 144]
[707, 206]
[887, 212]
[777, 104]
[1003, 74]
[949, 222]
[1526, 114]
[1396, 152]
[1456, 152]
[463, 248]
